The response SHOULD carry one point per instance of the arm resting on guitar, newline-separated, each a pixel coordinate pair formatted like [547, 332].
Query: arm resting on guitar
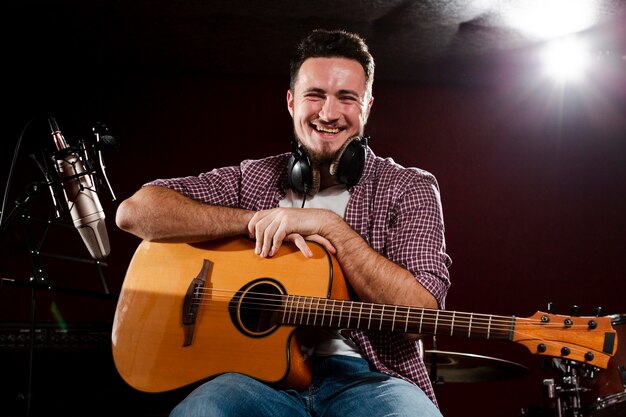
[163, 215]
[372, 276]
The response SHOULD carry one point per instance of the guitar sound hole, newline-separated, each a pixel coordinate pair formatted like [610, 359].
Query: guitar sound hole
[253, 306]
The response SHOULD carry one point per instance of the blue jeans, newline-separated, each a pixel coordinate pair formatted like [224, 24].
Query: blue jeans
[342, 387]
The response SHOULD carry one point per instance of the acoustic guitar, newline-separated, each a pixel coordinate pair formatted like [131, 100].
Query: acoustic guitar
[189, 312]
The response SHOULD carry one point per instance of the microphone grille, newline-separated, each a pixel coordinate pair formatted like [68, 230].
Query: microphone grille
[96, 239]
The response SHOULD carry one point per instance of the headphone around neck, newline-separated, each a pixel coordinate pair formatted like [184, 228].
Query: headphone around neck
[304, 178]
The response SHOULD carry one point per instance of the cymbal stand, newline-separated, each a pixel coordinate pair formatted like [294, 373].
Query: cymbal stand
[564, 396]
[434, 378]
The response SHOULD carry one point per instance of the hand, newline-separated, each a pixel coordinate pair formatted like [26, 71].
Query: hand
[272, 227]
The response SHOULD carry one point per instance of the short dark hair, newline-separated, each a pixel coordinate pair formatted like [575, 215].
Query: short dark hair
[323, 43]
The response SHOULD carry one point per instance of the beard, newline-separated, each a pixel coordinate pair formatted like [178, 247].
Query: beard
[323, 158]
[319, 158]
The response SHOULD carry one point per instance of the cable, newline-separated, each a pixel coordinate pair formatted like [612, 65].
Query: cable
[7, 188]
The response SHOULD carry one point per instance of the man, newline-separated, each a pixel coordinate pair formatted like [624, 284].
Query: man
[382, 221]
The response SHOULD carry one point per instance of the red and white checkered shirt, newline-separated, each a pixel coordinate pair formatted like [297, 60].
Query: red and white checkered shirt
[398, 212]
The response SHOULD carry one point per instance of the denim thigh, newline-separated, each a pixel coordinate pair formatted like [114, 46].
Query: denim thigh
[342, 387]
[346, 386]
[232, 394]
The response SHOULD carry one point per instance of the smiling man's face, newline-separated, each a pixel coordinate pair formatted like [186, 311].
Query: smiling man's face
[329, 105]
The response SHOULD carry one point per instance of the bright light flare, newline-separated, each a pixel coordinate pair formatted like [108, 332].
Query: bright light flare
[543, 19]
[566, 60]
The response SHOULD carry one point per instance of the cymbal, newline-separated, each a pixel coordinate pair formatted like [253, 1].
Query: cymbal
[467, 367]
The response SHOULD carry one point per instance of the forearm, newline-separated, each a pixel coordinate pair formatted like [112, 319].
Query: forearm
[160, 214]
[372, 276]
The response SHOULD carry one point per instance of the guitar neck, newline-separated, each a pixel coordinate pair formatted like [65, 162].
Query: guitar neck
[343, 314]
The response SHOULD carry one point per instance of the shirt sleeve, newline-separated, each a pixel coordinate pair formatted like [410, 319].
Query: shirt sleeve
[218, 187]
[415, 237]
[252, 185]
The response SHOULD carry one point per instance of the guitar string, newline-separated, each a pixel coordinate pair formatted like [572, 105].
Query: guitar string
[254, 299]
[494, 323]
[337, 308]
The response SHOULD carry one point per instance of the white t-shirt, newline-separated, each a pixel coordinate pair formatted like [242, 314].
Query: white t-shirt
[333, 198]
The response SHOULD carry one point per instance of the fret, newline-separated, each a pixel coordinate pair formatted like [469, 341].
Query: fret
[436, 322]
[358, 322]
[287, 310]
[469, 327]
[297, 309]
[324, 310]
[350, 314]
[294, 309]
[311, 311]
[393, 320]
[382, 314]
[421, 320]
[406, 320]
[340, 314]
[317, 309]
[489, 328]
[308, 316]
[369, 323]
[452, 324]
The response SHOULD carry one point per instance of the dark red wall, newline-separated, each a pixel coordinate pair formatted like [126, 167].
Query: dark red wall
[533, 182]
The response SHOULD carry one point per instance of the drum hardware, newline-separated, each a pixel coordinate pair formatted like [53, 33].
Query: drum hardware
[564, 397]
[608, 388]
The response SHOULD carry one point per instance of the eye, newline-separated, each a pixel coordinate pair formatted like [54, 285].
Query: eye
[314, 95]
[349, 98]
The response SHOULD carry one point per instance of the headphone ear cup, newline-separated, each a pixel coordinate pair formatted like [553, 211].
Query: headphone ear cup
[351, 162]
[299, 171]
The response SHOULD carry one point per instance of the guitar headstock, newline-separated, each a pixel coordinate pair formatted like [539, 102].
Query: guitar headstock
[586, 339]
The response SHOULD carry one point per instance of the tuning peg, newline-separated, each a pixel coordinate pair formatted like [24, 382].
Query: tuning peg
[599, 311]
[551, 307]
[574, 311]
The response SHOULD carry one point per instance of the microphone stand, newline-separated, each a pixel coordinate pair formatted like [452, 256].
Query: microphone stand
[39, 279]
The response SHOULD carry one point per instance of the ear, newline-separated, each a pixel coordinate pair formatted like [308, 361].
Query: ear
[366, 112]
[290, 102]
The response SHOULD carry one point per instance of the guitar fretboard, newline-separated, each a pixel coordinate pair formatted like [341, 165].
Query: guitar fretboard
[343, 314]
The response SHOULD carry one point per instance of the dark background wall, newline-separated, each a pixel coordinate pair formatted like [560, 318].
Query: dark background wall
[533, 182]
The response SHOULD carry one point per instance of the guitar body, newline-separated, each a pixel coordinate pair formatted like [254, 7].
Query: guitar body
[157, 347]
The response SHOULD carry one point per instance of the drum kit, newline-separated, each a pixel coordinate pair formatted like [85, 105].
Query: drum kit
[576, 390]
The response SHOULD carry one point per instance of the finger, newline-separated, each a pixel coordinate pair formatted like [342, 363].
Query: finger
[263, 239]
[324, 242]
[252, 223]
[260, 232]
[300, 244]
[272, 237]
[262, 227]
[253, 229]
[278, 237]
[257, 235]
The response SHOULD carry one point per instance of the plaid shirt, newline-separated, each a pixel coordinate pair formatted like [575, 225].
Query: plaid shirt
[396, 210]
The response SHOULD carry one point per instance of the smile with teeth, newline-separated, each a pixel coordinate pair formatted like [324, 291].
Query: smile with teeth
[324, 129]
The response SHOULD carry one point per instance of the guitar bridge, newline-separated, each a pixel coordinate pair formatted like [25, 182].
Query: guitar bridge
[192, 299]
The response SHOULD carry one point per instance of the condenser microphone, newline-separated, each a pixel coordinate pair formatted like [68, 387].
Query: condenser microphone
[80, 195]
